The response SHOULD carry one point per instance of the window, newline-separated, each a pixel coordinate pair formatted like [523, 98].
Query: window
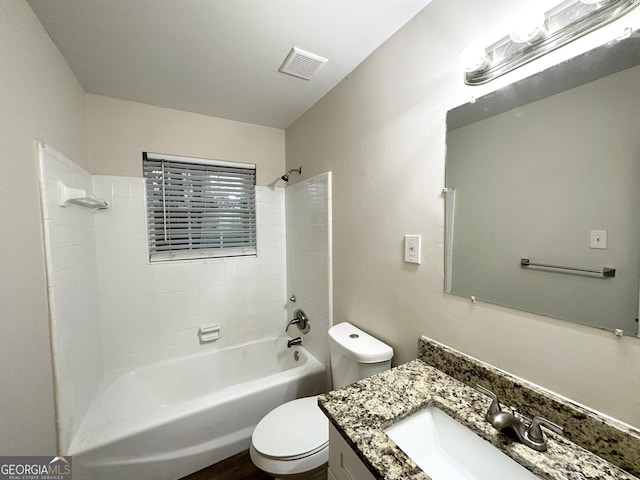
[199, 208]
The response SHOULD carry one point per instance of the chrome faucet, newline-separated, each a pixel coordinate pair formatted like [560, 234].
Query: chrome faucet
[527, 432]
[294, 341]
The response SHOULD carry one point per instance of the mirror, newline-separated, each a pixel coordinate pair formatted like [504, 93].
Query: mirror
[546, 169]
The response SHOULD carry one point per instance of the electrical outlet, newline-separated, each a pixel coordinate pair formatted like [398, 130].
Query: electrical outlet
[412, 249]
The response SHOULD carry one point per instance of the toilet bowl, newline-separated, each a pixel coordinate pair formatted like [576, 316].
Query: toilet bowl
[292, 441]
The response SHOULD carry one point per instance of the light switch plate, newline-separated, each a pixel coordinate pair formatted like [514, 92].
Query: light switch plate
[598, 239]
[412, 249]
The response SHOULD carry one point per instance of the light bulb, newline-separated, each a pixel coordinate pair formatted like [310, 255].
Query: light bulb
[529, 28]
[474, 58]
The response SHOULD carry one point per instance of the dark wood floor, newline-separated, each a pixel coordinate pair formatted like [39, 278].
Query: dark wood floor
[238, 467]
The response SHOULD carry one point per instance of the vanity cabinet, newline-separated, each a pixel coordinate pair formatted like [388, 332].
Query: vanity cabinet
[344, 464]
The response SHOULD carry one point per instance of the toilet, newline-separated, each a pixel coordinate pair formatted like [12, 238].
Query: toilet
[292, 441]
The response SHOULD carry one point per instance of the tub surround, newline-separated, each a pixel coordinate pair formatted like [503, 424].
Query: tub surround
[308, 258]
[594, 446]
[151, 312]
[72, 276]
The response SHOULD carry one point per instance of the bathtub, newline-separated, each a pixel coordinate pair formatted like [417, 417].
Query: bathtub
[169, 419]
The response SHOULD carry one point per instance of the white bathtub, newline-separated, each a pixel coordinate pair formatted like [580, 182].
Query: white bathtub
[169, 419]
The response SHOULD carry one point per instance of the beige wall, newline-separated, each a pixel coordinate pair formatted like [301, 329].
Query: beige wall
[382, 133]
[119, 131]
[40, 98]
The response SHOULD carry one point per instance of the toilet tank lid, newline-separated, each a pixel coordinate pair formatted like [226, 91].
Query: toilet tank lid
[359, 345]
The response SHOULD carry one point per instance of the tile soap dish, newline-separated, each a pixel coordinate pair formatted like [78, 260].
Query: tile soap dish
[79, 197]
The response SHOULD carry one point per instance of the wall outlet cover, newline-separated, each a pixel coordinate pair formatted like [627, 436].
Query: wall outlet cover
[412, 249]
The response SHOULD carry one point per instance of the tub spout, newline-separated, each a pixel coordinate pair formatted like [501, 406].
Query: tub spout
[294, 341]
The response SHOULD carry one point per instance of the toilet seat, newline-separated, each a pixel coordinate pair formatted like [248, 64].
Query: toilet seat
[292, 439]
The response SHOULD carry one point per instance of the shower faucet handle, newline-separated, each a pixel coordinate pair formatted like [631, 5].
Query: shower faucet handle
[301, 320]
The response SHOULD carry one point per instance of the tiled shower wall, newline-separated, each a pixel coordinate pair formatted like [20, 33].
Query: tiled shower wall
[72, 291]
[152, 312]
[308, 205]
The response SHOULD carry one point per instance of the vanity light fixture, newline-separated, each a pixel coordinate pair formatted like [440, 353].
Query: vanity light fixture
[538, 34]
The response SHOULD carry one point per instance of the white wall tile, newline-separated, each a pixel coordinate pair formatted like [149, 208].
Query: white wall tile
[72, 289]
[308, 238]
[158, 300]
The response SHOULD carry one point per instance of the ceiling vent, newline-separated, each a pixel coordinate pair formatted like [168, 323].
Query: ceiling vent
[302, 64]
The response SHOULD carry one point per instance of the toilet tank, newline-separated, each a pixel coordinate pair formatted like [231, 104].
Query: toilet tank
[355, 354]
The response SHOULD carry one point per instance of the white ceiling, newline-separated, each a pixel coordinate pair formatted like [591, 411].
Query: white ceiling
[218, 57]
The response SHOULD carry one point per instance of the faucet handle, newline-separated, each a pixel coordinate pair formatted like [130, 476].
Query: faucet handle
[295, 321]
[535, 432]
[301, 320]
[495, 403]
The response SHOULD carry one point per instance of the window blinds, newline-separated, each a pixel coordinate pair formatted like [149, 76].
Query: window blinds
[199, 208]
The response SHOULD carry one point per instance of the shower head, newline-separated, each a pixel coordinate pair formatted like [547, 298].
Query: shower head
[285, 177]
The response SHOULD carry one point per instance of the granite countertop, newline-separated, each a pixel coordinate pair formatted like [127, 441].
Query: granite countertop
[362, 410]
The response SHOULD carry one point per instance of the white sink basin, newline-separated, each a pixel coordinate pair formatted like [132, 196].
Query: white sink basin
[447, 450]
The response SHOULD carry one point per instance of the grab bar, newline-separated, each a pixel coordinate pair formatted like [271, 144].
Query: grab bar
[605, 271]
